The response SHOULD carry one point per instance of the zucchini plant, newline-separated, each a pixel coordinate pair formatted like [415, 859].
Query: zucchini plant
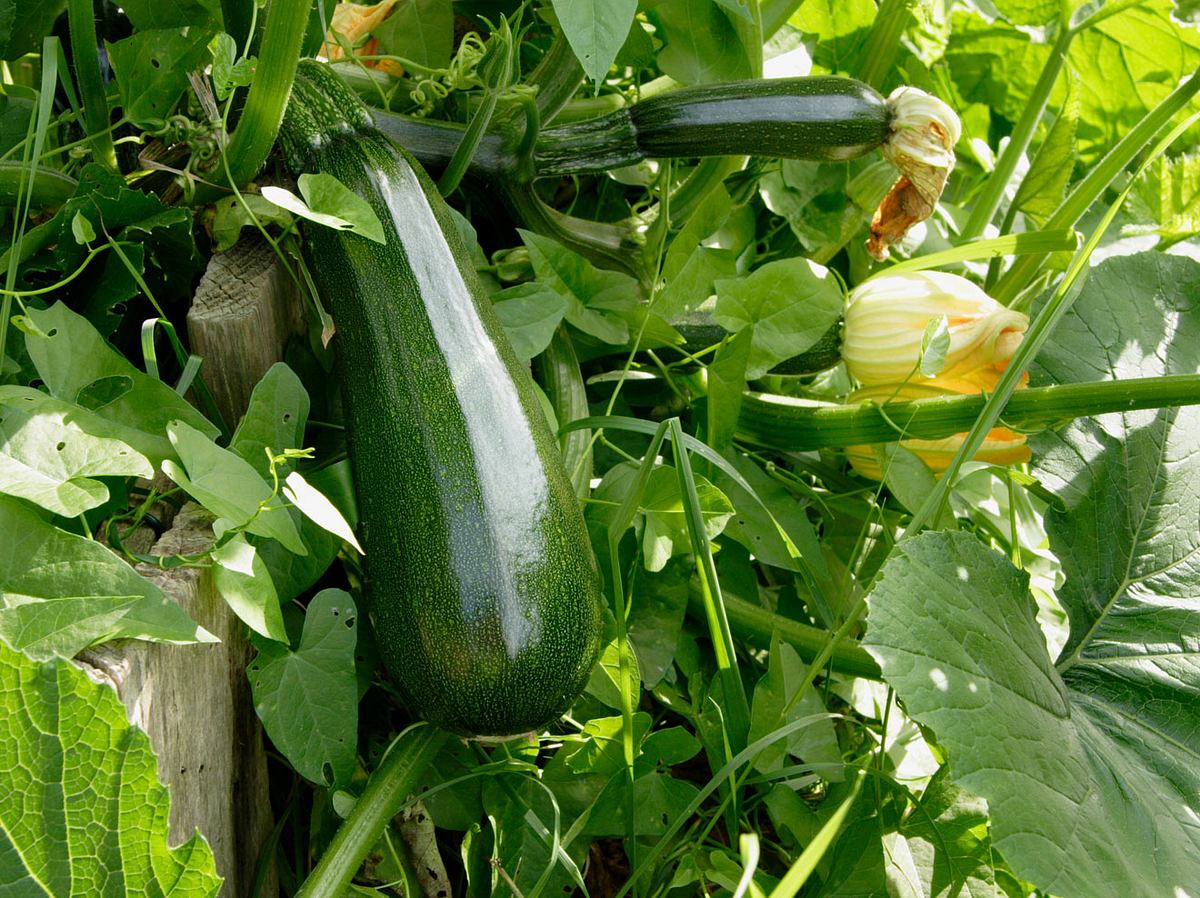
[624, 521]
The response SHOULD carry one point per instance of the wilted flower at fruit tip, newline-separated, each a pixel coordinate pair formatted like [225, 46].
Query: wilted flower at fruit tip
[886, 319]
[921, 146]
[1001, 446]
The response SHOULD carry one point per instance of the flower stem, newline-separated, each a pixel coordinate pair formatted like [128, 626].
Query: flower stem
[391, 782]
[778, 422]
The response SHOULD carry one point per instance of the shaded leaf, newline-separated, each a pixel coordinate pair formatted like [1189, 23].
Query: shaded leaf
[152, 66]
[307, 699]
[592, 294]
[596, 30]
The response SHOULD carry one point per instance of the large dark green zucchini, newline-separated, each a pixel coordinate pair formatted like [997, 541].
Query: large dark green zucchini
[481, 580]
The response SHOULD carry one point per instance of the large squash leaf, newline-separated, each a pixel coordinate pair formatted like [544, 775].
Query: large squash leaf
[82, 811]
[1096, 755]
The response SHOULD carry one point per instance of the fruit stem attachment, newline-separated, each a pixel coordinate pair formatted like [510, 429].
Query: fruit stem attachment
[410, 754]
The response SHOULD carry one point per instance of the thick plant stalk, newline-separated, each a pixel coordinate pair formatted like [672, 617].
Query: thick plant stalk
[268, 97]
[82, 21]
[778, 422]
[389, 785]
[755, 624]
[558, 370]
[884, 41]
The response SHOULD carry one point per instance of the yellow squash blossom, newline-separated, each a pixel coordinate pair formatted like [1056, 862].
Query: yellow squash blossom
[886, 319]
[353, 23]
[1001, 446]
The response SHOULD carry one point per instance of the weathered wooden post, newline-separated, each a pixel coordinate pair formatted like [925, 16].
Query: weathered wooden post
[194, 702]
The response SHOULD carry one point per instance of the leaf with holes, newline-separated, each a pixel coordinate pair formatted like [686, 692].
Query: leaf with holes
[274, 420]
[83, 811]
[152, 68]
[1093, 755]
[307, 699]
[50, 456]
[72, 358]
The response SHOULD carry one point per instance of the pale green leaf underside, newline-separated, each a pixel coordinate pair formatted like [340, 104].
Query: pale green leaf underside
[51, 458]
[82, 811]
[60, 593]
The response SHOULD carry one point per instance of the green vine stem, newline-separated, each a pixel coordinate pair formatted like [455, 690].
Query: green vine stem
[82, 23]
[607, 245]
[755, 624]
[1089, 189]
[49, 188]
[268, 97]
[778, 422]
[390, 784]
[992, 194]
[884, 41]
[558, 371]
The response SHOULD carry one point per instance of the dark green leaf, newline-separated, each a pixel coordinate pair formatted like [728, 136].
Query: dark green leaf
[946, 836]
[656, 617]
[307, 699]
[152, 68]
[23, 24]
[726, 386]
[702, 45]
[420, 30]
[148, 14]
